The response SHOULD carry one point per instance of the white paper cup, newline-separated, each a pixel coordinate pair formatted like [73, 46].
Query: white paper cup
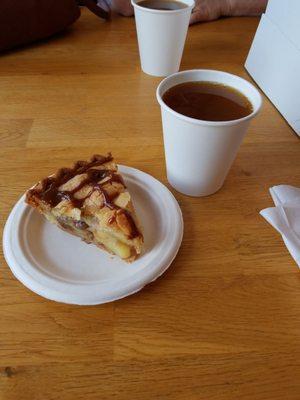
[161, 37]
[199, 153]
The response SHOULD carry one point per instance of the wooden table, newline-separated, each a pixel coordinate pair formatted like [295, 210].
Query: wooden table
[224, 321]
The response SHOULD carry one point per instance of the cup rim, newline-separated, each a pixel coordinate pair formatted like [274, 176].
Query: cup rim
[203, 122]
[135, 4]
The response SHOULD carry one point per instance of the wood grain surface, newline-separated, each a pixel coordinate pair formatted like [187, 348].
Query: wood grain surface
[224, 322]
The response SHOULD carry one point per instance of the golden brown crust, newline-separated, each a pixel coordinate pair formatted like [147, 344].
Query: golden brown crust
[73, 171]
[94, 194]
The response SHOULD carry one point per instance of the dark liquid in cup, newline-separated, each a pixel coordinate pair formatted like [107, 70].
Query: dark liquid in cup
[208, 101]
[166, 5]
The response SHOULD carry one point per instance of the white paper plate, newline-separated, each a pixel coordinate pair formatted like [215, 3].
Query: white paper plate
[61, 267]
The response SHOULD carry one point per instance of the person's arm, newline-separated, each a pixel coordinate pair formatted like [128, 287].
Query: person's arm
[209, 10]
[122, 7]
[240, 8]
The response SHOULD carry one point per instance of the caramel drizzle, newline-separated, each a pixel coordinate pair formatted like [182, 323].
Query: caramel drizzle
[51, 194]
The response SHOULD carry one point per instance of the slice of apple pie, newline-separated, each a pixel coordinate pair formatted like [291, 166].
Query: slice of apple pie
[91, 201]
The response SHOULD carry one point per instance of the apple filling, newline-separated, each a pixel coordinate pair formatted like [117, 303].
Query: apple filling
[89, 233]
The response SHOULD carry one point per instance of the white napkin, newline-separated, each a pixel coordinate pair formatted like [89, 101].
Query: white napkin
[285, 217]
